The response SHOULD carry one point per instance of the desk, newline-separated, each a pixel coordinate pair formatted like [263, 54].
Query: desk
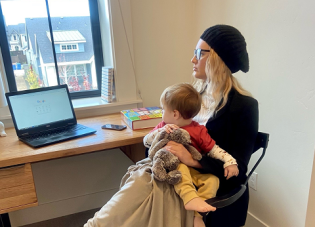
[17, 189]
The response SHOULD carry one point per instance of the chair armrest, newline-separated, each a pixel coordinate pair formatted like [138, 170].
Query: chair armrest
[226, 200]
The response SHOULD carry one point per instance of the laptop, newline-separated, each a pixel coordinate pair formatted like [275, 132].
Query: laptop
[45, 116]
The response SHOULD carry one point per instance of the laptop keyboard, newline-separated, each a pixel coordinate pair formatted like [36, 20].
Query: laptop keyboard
[55, 132]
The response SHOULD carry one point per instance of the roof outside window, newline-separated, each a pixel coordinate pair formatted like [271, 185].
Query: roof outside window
[67, 36]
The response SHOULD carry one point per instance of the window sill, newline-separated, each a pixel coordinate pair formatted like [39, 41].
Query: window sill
[96, 106]
[97, 102]
[87, 107]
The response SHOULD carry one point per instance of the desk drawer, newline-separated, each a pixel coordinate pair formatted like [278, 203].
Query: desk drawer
[17, 190]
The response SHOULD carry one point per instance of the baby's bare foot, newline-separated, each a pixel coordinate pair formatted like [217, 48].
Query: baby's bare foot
[198, 222]
[198, 204]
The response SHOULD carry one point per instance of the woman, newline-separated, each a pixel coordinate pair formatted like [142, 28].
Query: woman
[230, 115]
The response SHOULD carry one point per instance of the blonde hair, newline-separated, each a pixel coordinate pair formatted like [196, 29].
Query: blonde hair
[219, 81]
[182, 97]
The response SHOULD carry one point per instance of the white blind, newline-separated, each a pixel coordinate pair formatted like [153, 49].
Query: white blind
[3, 101]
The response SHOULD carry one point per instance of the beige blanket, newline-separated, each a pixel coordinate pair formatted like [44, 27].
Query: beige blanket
[143, 202]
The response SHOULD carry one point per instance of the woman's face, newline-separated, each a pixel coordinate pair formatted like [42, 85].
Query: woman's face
[199, 67]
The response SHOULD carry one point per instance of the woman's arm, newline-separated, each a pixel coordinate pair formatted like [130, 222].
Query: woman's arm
[243, 128]
[182, 153]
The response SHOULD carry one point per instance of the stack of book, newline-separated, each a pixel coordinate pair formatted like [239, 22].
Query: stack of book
[140, 118]
[108, 84]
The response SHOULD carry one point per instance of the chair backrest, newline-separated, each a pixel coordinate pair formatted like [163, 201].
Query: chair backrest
[262, 140]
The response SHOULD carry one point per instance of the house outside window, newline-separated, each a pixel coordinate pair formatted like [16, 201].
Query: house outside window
[70, 48]
[74, 76]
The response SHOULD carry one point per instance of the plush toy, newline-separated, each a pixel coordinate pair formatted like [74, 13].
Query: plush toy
[164, 163]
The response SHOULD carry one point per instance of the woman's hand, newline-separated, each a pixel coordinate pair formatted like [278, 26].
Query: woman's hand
[182, 153]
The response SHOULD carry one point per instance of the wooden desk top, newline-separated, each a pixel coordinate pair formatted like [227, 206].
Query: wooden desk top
[14, 152]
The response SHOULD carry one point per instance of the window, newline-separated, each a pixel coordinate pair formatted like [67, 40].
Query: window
[62, 46]
[116, 25]
[69, 47]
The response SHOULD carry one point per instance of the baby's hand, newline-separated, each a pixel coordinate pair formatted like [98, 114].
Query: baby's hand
[170, 127]
[231, 171]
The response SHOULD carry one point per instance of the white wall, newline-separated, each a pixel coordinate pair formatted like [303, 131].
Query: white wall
[163, 45]
[280, 44]
[280, 36]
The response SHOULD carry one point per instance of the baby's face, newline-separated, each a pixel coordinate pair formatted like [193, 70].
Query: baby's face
[168, 115]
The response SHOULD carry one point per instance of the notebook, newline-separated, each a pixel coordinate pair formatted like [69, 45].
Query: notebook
[45, 116]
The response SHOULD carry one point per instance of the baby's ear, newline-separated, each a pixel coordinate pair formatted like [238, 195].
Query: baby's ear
[177, 115]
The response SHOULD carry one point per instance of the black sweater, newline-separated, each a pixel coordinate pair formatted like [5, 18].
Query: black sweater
[234, 128]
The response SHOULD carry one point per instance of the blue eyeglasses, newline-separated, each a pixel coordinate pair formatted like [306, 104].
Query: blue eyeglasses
[197, 53]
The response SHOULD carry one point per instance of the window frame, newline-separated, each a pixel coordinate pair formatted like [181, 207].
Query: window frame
[117, 40]
[97, 47]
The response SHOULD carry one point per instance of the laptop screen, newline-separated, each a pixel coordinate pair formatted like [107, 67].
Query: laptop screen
[32, 110]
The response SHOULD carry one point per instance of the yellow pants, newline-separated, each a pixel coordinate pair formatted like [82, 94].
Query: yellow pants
[207, 184]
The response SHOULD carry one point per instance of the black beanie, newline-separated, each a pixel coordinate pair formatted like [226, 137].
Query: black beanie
[229, 44]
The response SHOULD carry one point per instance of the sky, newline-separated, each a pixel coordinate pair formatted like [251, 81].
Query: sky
[15, 11]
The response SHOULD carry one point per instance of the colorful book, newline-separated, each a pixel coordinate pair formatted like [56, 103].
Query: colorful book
[141, 118]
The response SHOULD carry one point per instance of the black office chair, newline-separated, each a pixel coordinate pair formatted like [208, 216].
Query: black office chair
[225, 200]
